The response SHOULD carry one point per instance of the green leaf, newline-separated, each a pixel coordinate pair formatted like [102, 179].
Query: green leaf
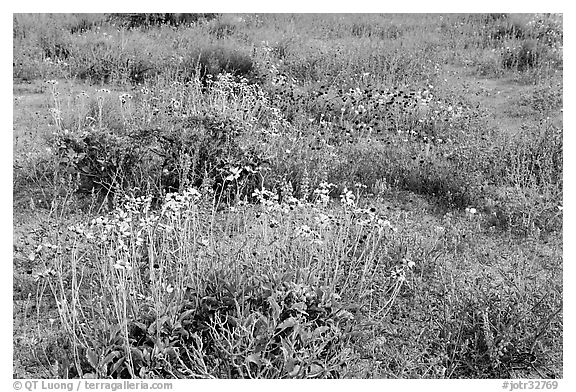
[117, 365]
[187, 314]
[299, 306]
[288, 323]
[320, 330]
[254, 358]
[295, 370]
[92, 358]
[110, 357]
[137, 356]
[315, 369]
[275, 308]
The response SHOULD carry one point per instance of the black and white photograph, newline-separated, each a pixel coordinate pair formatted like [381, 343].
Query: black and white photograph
[371, 196]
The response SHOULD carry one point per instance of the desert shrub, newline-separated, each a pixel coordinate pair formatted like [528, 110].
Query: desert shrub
[135, 20]
[260, 329]
[224, 26]
[104, 161]
[544, 98]
[81, 23]
[547, 29]
[492, 334]
[157, 160]
[527, 55]
[508, 28]
[210, 61]
[529, 174]
[211, 148]
[408, 168]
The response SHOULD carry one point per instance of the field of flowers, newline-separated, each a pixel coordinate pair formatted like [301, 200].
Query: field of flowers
[287, 196]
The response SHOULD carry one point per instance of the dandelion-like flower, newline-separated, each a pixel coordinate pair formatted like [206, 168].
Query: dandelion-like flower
[123, 265]
[409, 263]
[347, 197]
[304, 231]
[124, 98]
[322, 220]
[234, 173]
[471, 210]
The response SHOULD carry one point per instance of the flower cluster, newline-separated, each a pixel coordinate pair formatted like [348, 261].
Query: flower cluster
[323, 192]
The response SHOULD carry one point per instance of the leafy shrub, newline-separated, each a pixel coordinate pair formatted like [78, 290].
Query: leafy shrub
[224, 26]
[527, 55]
[508, 29]
[262, 329]
[218, 59]
[290, 331]
[135, 20]
[157, 160]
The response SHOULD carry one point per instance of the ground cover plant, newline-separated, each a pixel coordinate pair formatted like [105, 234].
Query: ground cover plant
[287, 196]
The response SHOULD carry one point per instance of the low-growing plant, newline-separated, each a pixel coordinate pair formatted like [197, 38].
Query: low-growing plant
[175, 305]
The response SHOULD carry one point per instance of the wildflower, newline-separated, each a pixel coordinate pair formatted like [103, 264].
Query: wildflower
[77, 229]
[234, 173]
[176, 104]
[123, 265]
[348, 198]
[471, 210]
[322, 220]
[139, 239]
[55, 112]
[47, 274]
[304, 231]
[385, 224]
[125, 98]
[323, 191]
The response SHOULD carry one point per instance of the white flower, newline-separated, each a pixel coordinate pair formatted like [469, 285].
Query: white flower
[122, 265]
[348, 198]
[234, 174]
[322, 220]
[439, 229]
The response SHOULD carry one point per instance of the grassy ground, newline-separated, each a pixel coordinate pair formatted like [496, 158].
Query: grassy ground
[360, 196]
